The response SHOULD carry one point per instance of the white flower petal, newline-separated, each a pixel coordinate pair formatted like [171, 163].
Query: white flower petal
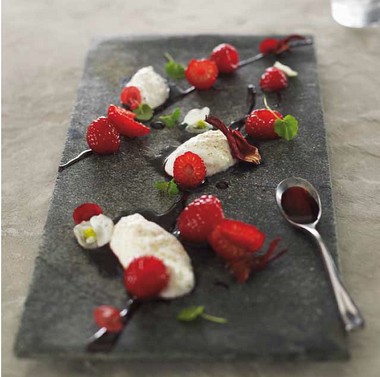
[286, 69]
[103, 227]
[195, 115]
[79, 231]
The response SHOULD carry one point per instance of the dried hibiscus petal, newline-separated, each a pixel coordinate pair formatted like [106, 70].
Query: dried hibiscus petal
[241, 268]
[278, 46]
[240, 148]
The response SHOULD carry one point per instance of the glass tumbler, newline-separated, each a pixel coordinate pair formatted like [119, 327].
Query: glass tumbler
[356, 13]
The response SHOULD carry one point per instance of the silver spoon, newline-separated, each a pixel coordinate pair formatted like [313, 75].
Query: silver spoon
[308, 220]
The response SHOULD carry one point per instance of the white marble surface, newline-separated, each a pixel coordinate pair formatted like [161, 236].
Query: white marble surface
[44, 44]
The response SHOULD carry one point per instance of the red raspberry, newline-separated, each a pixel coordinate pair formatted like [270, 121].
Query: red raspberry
[189, 170]
[108, 317]
[269, 45]
[199, 218]
[85, 211]
[234, 239]
[202, 73]
[131, 97]
[102, 136]
[125, 123]
[273, 80]
[146, 277]
[260, 124]
[226, 57]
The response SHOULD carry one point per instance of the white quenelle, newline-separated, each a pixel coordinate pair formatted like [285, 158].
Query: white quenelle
[94, 233]
[211, 146]
[195, 120]
[134, 237]
[153, 87]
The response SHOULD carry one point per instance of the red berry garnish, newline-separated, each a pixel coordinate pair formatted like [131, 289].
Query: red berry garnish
[226, 57]
[131, 97]
[189, 170]
[146, 277]
[108, 317]
[199, 218]
[273, 80]
[269, 45]
[85, 211]
[233, 239]
[202, 73]
[102, 136]
[125, 123]
[260, 124]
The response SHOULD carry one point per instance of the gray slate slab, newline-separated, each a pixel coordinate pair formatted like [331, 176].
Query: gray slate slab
[284, 312]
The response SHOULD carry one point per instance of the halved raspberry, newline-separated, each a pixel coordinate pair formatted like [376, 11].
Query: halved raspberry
[108, 317]
[189, 170]
[233, 239]
[226, 57]
[125, 123]
[273, 80]
[85, 211]
[146, 277]
[199, 218]
[202, 73]
[131, 97]
[102, 137]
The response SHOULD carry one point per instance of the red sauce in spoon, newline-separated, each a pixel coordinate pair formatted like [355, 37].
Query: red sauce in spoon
[299, 205]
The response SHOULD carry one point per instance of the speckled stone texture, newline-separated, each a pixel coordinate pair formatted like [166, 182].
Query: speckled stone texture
[284, 312]
[44, 45]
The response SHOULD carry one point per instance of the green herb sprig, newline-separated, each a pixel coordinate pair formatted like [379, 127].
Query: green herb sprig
[143, 112]
[193, 312]
[167, 187]
[173, 69]
[171, 120]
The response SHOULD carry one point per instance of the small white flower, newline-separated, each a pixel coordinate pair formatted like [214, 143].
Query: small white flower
[195, 120]
[94, 233]
[286, 69]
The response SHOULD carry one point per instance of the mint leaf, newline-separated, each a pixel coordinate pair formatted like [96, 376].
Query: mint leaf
[173, 69]
[169, 188]
[144, 112]
[193, 312]
[172, 119]
[190, 313]
[172, 188]
[286, 128]
[161, 185]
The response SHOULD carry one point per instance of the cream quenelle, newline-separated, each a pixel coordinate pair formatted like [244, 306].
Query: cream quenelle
[211, 146]
[153, 87]
[134, 237]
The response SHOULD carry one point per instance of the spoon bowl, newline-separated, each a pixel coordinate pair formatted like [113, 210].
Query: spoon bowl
[308, 189]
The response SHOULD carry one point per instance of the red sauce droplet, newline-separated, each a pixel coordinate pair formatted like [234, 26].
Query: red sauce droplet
[299, 205]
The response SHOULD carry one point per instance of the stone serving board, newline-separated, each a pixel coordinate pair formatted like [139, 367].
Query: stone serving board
[284, 312]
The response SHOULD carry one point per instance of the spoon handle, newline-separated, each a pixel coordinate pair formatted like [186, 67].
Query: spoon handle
[348, 310]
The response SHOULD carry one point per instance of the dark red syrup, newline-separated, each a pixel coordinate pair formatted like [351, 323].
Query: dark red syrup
[299, 205]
